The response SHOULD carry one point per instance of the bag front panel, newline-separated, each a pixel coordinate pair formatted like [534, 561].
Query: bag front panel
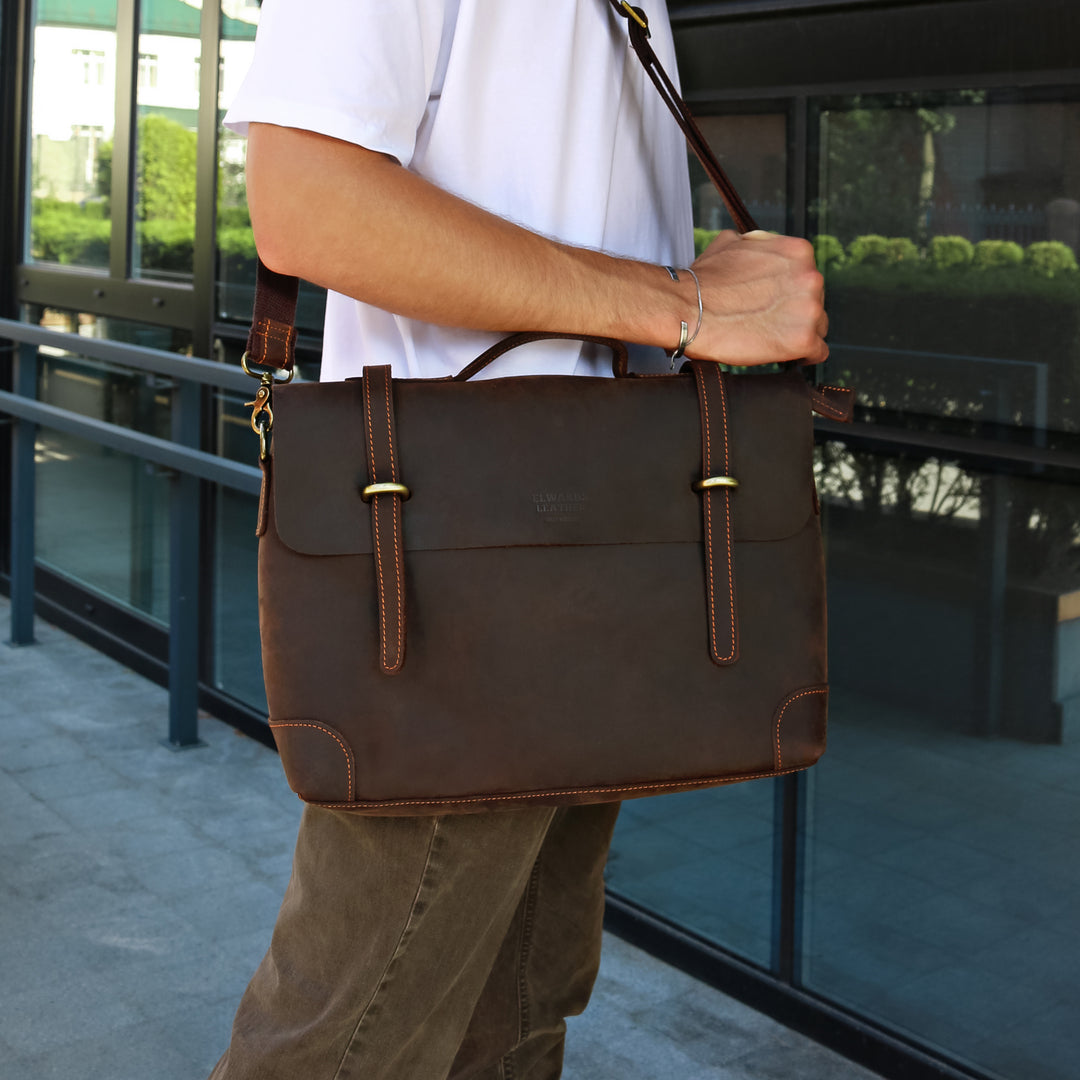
[530, 669]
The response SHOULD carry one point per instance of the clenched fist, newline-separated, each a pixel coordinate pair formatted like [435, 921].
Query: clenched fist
[763, 300]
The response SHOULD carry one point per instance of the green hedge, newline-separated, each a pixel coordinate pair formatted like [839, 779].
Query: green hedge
[997, 254]
[70, 234]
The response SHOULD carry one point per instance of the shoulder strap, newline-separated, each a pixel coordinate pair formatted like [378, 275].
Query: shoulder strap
[272, 340]
[638, 27]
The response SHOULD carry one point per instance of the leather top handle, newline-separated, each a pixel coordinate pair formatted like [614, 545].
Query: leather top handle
[272, 341]
[620, 365]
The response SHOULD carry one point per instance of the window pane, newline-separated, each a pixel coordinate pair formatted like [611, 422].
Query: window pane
[236, 245]
[237, 656]
[71, 131]
[753, 151]
[702, 860]
[102, 516]
[167, 111]
[941, 876]
[949, 231]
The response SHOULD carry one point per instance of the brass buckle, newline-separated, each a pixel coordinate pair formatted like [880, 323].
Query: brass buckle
[631, 13]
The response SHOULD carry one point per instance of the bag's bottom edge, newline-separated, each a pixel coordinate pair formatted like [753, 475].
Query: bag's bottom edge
[554, 797]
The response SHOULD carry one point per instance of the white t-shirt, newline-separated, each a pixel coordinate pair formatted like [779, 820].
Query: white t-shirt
[537, 112]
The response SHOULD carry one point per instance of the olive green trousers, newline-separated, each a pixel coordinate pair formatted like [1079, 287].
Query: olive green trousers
[428, 948]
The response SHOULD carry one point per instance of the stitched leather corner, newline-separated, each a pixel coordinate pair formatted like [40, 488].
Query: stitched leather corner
[799, 725]
[318, 762]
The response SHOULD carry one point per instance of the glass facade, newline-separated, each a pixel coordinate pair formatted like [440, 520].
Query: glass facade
[71, 125]
[703, 860]
[102, 516]
[943, 819]
[919, 881]
[753, 149]
[166, 111]
[948, 226]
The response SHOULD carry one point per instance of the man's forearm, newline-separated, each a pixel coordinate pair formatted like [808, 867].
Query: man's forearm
[357, 222]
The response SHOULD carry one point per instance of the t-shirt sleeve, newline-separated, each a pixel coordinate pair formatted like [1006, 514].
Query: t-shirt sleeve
[357, 70]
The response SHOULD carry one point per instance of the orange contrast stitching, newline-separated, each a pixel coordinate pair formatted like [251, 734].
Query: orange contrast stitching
[375, 527]
[326, 731]
[379, 578]
[267, 333]
[727, 516]
[399, 583]
[707, 495]
[801, 694]
[371, 435]
[700, 781]
[822, 406]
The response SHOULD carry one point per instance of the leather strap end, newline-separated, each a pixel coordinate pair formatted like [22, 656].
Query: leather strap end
[271, 344]
[263, 519]
[833, 402]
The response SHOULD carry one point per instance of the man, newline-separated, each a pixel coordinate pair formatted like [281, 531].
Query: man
[453, 170]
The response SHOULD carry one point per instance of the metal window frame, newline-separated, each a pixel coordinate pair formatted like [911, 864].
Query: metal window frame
[116, 292]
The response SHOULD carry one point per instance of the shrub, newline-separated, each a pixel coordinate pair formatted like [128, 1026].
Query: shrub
[902, 249]
[703, 238]
[828, 251]
[167, 245]
[230, 217]
[238, 243]
[869, 250]
[1048, 258]
[69, 234]
[997, 254]
[951, 252]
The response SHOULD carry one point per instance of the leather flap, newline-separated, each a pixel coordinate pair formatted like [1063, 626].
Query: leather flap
[540, 460]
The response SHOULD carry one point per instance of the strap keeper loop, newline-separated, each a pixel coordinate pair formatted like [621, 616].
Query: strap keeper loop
[371, 490]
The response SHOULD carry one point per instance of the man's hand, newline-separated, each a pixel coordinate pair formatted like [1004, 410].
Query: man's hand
[357, 222]
[763, 298]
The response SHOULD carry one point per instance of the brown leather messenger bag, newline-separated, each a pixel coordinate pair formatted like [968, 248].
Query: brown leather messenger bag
[538, 589]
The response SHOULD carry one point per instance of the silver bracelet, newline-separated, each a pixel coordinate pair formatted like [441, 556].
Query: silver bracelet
[684, 341]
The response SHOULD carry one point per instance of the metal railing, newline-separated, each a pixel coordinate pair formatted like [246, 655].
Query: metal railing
[180, 455]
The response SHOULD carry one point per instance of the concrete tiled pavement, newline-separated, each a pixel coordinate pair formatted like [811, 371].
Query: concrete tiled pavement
[138, 887]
